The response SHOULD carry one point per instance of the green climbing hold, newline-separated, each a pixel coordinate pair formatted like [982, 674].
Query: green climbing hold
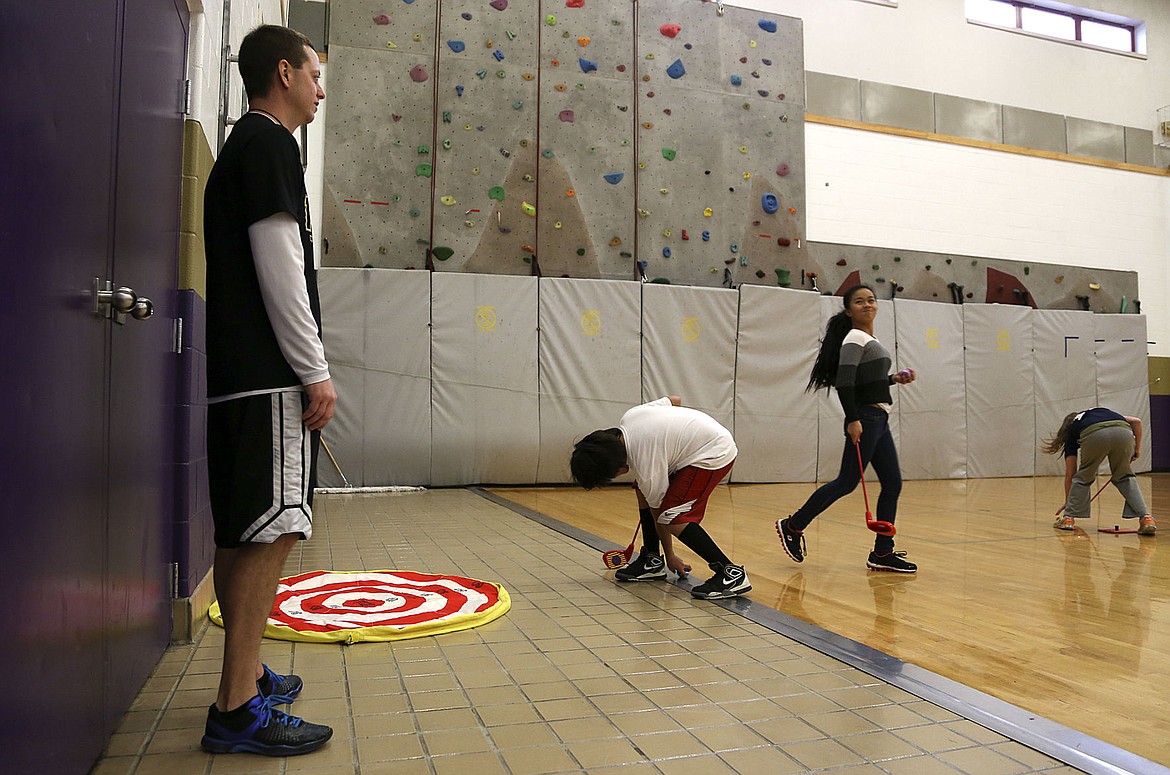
[669, 154]
[423, 170]
[497, 193]
[442, 253]
[897, 258]
[783, 277]
[580, 251]
[661, 280]
[876, 267]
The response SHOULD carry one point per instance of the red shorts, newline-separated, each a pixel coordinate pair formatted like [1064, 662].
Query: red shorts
[686, 497]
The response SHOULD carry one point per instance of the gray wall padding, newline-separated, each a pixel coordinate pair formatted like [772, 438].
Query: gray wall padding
[455, 378]
[777, 345]
[1123, 381]
[688, 347]
[933, 439]
[590, 364]
[1066, 374]
[377, 339]
[1001, 418]
[485, 415]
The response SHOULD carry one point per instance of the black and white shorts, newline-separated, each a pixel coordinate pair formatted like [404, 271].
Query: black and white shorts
[262, 468]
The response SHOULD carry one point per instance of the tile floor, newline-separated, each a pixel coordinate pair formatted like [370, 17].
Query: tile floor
[580, 676]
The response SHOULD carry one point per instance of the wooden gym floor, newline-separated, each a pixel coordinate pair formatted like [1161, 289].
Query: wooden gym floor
[1071, 626]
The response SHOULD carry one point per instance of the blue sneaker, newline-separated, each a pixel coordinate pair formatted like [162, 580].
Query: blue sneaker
[257, 727]
[279, 689]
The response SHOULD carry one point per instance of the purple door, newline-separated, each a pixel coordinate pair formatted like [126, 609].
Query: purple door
[90, 144]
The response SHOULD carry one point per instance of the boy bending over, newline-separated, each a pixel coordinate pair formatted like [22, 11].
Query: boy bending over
[677, 455]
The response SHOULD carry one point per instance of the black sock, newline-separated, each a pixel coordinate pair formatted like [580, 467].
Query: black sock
[650, 542]
[696, 539]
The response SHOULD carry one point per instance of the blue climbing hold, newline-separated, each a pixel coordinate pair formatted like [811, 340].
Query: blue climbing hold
[736, 80]
[770, 203]
[499, 55]
[767, 25]
[587, 65]
[706, 236]
[666, 252]
[614, 177]
[676, 69]
[456, 45]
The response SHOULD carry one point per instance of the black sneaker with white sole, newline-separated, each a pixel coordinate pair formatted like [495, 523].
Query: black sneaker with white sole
[893, 561]
[791, 540]
[648, 567]
[728, 581]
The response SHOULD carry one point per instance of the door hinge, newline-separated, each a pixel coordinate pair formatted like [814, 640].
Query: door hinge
[178, 335]
[186, 96]
[174, 581]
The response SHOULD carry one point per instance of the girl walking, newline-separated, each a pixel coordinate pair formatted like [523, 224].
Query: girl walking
[854, 362]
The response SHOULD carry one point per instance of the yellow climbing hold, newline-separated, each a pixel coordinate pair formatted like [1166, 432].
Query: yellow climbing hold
[708, 212]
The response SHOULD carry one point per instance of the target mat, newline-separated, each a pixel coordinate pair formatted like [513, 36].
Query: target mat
[380, 605]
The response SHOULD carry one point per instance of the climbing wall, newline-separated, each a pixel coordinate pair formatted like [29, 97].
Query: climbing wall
[592, 139]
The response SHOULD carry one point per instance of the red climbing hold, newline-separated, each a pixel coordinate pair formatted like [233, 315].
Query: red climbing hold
[670, 30]
[574, 3]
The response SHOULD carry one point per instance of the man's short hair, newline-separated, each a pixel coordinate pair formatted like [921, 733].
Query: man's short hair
[262, 50]
[597, 458]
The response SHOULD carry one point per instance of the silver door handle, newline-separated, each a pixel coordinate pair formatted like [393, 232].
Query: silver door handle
[113, 303]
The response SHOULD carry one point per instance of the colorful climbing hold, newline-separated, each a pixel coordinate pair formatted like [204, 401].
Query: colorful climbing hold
[783, 242]
[666, 252]
[442, 252]
[456, 45]
[529, 209]
[567, 116]
[583, 40]
[447, 200]
[670, 30]
[706, 236]
[574, 3]
[676, 69]
[550, 20]
[767, 25]
[708, 212]
[381, 19]
[499, 55]
[418, 73]
[614, 178]
[587, 66]
[669, 154]
[497, 193]
[736, 80]
[422, 170]
[499, 5]
[770, 203]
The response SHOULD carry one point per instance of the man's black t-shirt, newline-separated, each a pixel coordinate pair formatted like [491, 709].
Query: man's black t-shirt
[258, 174]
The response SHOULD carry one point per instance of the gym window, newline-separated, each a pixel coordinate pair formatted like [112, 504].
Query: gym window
[1063, 22]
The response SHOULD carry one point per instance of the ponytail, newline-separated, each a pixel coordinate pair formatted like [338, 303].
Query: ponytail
[824, 371]
[1055, 443]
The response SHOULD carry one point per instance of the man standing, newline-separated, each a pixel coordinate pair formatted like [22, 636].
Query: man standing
[268, 384]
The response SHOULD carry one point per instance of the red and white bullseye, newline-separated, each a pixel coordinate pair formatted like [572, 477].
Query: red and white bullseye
[379, 605]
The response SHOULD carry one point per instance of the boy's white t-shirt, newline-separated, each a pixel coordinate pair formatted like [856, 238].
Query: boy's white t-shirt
[661, 438]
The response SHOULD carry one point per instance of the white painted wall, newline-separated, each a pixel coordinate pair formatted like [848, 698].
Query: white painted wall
[874, 189]
[929, 45]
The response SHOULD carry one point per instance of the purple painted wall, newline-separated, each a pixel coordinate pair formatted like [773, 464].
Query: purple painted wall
[1160, 432]
[194, 533]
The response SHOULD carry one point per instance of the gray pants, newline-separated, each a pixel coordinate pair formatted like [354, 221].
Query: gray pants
[1115, 443]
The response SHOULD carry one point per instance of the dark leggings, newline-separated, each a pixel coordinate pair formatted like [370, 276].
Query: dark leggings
[877, 449]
